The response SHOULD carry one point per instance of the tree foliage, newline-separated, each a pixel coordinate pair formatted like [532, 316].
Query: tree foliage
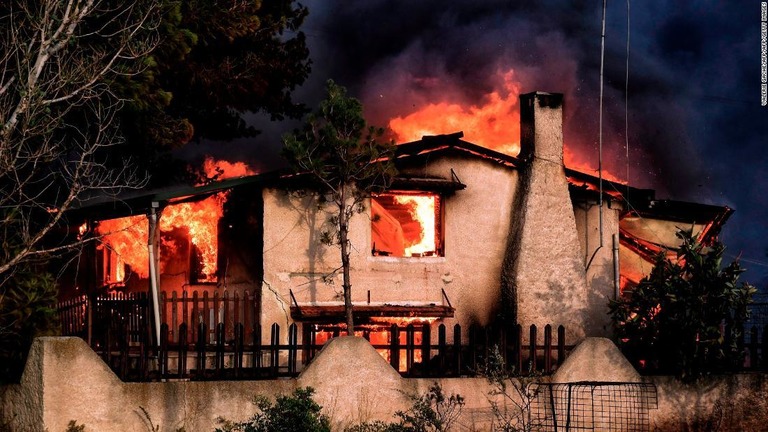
[217, 60]
[685, 317]
[344, 161]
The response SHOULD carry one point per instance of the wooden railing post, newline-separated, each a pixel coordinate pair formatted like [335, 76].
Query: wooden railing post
[225, 318]
[163, 355]
[306, 343]
[532, 350]
[174, 322]
[275, 349]
[409, 347]
[202, 340]
[293, 346]
[206, 315]
[426, 348]
[196, 319]
[182, 360]
[442, 349]
[548, 349]
[256, 358]
[560, 345]
[457, 350]
[394, 347]
[219, 349]
[238, 361]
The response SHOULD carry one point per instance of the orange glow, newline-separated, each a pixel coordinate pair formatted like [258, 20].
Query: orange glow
[422, 208]
[379, 335]
[403, 321]
[222, 169]
[127, 237]
[495, 124]
[201, 220]
[405, 225]
[574, 162]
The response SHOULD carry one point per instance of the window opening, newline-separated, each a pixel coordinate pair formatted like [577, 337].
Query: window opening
[406, 224]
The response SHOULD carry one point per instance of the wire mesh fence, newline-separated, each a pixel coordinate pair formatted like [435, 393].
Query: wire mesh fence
[593, 406]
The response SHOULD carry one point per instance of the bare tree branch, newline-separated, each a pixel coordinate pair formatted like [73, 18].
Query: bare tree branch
[58, 60]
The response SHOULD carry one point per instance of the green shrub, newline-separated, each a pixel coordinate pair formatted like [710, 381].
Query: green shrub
[673, 320]
[295, 413]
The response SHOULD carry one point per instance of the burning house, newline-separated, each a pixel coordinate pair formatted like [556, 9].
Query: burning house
[465, 235]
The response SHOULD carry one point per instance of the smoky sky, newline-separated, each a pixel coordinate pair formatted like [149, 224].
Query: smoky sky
[695, 127]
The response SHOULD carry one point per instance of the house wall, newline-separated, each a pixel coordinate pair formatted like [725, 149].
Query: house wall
[475, 224]
[513, 246]
[600, 261]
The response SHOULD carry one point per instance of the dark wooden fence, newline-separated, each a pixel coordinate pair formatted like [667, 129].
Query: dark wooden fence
[217, 338]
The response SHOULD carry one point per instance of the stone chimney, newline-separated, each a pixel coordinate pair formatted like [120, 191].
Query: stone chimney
[543, 278]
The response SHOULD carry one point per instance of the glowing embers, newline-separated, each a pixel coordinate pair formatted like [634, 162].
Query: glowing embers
[406, 225]
[409, 339]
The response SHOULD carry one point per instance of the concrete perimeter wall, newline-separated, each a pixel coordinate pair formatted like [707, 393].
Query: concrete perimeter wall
[65, 380]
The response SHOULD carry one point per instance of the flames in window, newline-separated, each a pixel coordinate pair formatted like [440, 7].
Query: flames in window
[406, 225]
[125, 240]
[188, 234]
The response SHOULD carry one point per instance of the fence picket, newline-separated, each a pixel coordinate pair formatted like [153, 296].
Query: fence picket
[394, 347]
[547, 348]
[532, 350]
[124, 339]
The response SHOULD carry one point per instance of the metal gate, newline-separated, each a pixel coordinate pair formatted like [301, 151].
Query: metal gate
[593, 406]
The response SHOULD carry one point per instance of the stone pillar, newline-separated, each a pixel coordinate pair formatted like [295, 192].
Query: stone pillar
[543, 279]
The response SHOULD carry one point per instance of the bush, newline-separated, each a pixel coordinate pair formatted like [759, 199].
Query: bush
[686, 316]
[512, 395]
[295, 413]
[431, 412]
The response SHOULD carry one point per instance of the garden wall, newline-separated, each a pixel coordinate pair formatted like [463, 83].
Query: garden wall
[65, 380]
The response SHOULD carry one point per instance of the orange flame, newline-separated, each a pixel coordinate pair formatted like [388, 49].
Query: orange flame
[220, 170]
[127, 237]
[201, 221]
[422, 208]
[495, 124]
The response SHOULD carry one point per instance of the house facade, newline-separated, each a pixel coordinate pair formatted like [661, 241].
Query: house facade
[465, 235]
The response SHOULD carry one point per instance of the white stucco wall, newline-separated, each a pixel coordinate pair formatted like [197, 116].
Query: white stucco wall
[65, 380]
[475, 225]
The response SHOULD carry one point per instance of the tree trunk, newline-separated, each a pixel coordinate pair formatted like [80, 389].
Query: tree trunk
[343, 239]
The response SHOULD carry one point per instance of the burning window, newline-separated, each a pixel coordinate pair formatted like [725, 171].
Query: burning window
[406, 224]
[188, 243]
[123, 249]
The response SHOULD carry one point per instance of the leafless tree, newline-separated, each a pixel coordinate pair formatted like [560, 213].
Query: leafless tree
[59, 62]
